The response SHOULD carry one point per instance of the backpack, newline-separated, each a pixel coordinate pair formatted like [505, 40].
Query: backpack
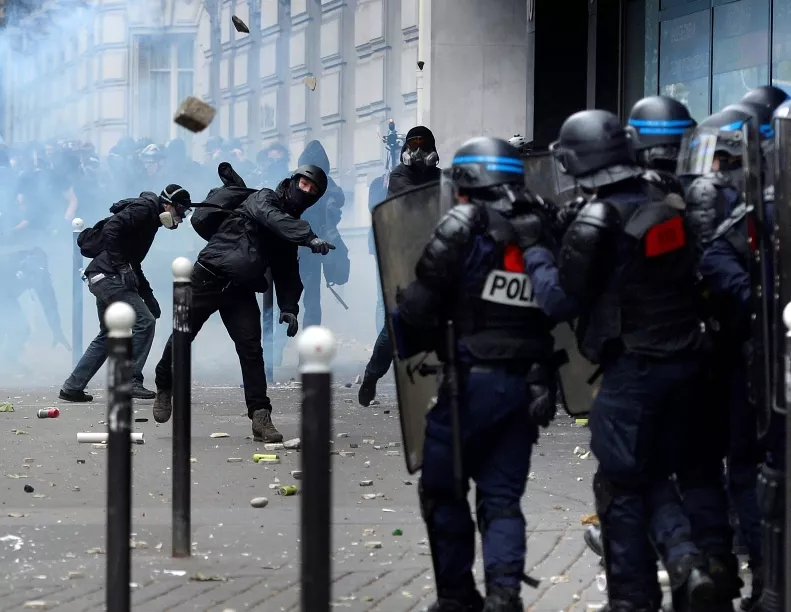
[90, 241]
[220, 202]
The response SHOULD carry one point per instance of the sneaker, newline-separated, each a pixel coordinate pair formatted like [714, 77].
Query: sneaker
[163, 405]
[140, 392]
[75, 396]
[263, 428]
[367, 391]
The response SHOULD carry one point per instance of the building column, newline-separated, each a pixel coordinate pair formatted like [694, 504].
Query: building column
[477, 65]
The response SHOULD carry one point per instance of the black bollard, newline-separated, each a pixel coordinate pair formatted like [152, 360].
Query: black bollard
[119, 319]
[316, 347]
[76, 294]
[182, 409]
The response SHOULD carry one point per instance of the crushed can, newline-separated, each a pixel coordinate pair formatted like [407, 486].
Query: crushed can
[287, 490]
[48, 413]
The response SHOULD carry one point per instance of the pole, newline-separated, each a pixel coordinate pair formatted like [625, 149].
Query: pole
[787, 376]
[182, 410]
[77, 226]
[119, 319]
[316, 346]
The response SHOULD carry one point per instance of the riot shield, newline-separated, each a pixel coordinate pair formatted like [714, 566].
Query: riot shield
[781, 247]
[402, 227]
[760, 363]
[541, 178]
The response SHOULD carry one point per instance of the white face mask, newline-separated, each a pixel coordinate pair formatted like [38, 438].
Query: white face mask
[169, 220]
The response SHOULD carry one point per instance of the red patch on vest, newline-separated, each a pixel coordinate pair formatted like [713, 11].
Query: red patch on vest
[752, 234]
[513, 261]
[665, 237]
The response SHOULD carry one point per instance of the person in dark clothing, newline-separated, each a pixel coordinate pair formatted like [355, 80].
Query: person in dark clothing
[419, 165]
[116, 275]
[271, 166]
[323, 217]
[262, 234]
[377, 192]
[22, 271]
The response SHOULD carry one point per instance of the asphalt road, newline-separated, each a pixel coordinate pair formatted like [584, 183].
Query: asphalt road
[52, 539]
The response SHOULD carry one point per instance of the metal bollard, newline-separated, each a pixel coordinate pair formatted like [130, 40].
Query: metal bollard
[182, 410]
[77, 225]
[119, 319]
[787, 380]
[316, 346]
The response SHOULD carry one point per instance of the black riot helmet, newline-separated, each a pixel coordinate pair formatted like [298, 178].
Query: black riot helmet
[298, 200]
[594, 148]
[767, 95]
[482, 165]
[656, 125]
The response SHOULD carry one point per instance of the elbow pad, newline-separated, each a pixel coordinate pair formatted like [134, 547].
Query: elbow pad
[586, 255]
[704, 205]
[439, 264]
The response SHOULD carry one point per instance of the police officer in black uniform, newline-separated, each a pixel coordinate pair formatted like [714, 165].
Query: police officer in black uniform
[505, 353]
[625, 260]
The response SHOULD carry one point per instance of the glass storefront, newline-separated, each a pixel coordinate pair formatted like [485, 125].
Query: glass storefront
[713, 51]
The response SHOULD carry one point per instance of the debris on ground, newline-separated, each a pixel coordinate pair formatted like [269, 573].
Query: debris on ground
[199, 577]
[373, 545]
[234, 459]
[219, 434]
[6, 407]
[293, 444]
[296, 474]
[259, 502]
[397, 532]
[28, 488]
[366, 483]
[590, 519]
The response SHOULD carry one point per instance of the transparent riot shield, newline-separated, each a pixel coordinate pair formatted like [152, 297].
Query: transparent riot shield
[541, 178]
[760, 362]
[781, 261]
[402, 226]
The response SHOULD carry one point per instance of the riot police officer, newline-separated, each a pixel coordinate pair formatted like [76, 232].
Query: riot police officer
[471, 271]
[625, 260]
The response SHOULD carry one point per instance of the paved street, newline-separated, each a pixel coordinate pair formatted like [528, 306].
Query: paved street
[52, 539]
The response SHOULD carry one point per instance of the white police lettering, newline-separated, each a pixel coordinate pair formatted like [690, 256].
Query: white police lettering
[509, 288]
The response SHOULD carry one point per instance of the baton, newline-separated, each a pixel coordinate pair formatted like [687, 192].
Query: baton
[337, 297]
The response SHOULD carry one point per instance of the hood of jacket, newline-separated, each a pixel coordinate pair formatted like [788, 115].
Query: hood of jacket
[315, 155]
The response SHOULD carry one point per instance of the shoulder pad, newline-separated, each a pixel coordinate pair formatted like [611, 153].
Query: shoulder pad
[736, 217]
[665, 181]
[459, 221]
[599, 213]
[442, 256]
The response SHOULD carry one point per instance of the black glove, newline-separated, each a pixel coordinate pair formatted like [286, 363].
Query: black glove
[542, 395]
[529, 230]
[128, 277]
[153, 305]
[290, 320]
[568, 213]
[59, 338]
[317, 245]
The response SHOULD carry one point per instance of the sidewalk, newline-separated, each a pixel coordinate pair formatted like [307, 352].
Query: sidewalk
[52, 539]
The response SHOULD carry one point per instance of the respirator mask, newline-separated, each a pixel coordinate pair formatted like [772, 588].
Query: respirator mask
[172, 218]
[415, 152]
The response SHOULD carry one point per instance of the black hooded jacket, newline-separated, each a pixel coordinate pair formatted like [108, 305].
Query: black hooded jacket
[259, 236]
[325, 214]
[403, 177]
[128, 236]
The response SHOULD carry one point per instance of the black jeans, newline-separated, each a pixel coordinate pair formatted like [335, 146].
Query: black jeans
[241, 316]
[382, 355]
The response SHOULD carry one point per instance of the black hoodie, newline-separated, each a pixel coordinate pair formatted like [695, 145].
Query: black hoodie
[404, 178]
[325, 214]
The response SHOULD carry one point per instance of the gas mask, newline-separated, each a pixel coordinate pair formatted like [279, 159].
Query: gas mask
[177, 213]
[419, 157]
[169, 220]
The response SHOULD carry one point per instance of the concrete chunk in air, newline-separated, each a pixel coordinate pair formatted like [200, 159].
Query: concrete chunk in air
[194, 114]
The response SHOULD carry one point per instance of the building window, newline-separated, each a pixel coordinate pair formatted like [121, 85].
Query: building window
[781, 45]
[741, 50]
[166, 75]
[684, 61]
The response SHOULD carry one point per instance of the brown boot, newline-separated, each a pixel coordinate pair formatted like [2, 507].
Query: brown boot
[263, 428]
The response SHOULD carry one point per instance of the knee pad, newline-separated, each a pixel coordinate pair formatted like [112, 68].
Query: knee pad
[487, 511]
[770, 494]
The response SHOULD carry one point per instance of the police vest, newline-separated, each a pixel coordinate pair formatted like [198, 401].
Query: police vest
[497, 317]
[649, 307]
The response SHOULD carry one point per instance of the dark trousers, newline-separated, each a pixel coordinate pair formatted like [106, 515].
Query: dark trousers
[638, 424]
[241, 316]
[497, 438]
[382, 355]
[310, 274]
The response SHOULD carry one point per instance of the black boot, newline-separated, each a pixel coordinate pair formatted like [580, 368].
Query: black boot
[503, 600]
[692, 587]
[724, 571]
[771, 504]
[367, 391]
[469, 602]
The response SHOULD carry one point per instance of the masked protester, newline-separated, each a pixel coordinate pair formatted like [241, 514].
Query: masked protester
[418, 166]
[22, 271]
[121, 243]
[323, 217]
[271, 166]
[262, 234]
